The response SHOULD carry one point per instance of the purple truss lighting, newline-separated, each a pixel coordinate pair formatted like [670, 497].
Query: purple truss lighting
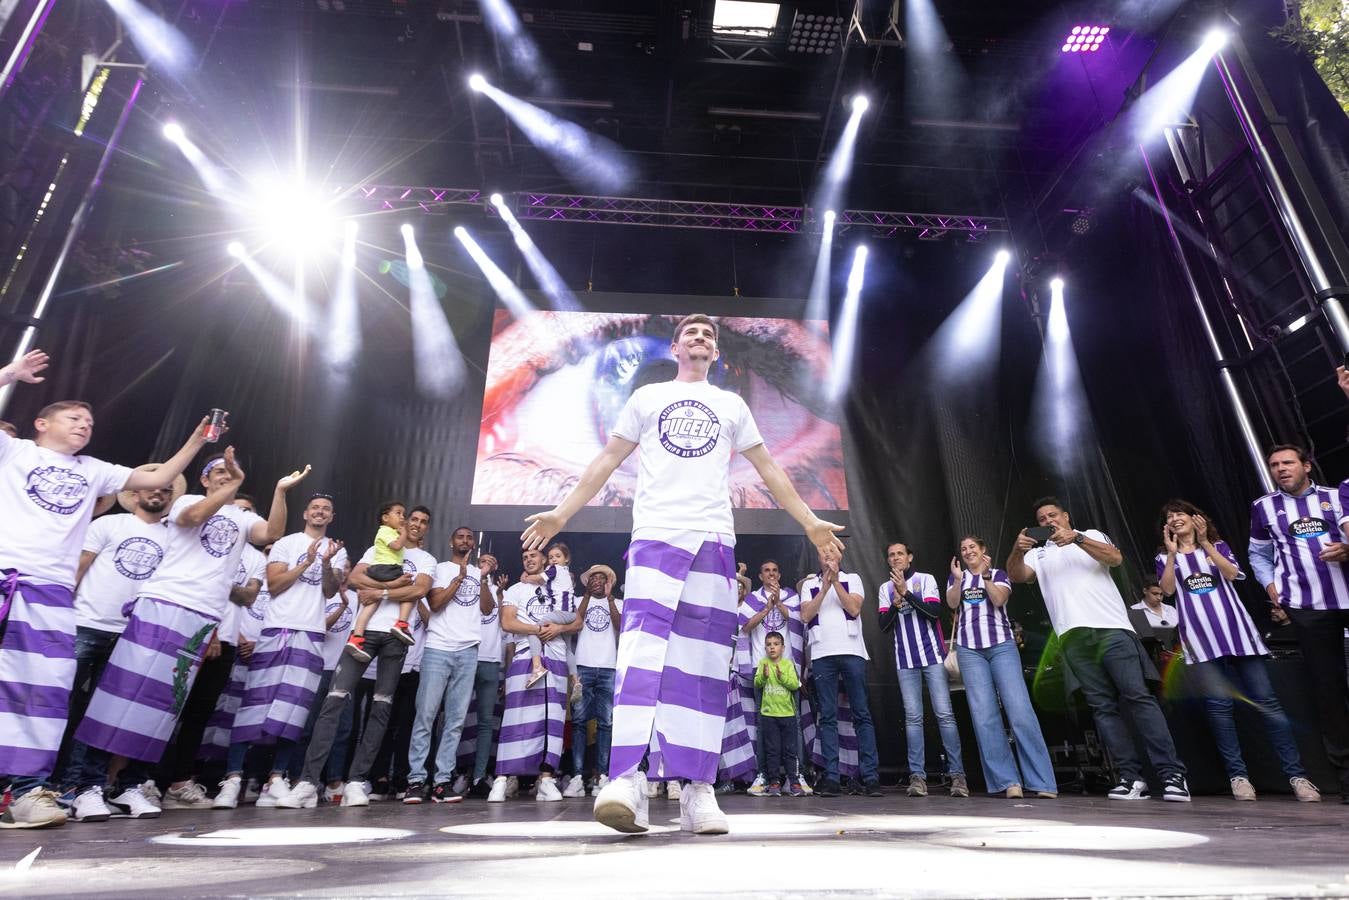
[1085, 38]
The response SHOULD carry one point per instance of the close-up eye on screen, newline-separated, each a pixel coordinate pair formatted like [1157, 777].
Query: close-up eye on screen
[556, 382]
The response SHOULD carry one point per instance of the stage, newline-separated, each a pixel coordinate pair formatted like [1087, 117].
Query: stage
[931, 847]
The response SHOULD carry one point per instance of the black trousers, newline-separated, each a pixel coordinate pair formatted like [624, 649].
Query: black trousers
[180, 756]
[778, 735]
[1320, 635]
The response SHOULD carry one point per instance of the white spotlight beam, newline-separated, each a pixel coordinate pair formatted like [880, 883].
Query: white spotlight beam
[158, 41]
[284, 298]
[1063, 425]
[344, 344]
[845, 335]
[829, 195]
[512, 296]
[585, 158]
[817, 304]
[511, 36]
[212, 177]
[1168, 101]
[550, 282]
[438, 363]
[967, 342]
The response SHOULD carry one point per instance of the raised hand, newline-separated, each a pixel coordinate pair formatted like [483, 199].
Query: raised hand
[236, 473]
[955, 566]
[1024, 542]
[1201, 529]
[26, 368]
[333, 547]
[1063, 536]
[824, 534]
[294, 478]
[488, 563]
[1169, 540]
[542, 528]
[198, 437]
[312, 553]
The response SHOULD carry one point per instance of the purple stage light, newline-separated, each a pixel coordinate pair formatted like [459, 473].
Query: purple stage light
[1084, 39]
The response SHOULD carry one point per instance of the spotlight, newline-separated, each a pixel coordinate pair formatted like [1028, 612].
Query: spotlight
[174, 132]
[235, 249]
[829, 217]
[460, 232]
[1216, 39]
[860, 103]
[405, 230]
[1056, 284]
[1084, 39]
[1002, 257]
[497, 199]
[477, 82]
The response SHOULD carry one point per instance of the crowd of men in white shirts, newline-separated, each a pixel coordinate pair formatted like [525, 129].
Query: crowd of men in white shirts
[143, 649]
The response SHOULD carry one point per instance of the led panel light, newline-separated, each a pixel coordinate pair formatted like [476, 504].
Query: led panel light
[747, 18]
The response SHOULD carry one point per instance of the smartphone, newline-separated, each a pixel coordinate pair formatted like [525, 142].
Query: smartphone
[1039, 533]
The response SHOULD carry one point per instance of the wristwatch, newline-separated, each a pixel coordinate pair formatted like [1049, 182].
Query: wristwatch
[386, 593]
[1080, 538]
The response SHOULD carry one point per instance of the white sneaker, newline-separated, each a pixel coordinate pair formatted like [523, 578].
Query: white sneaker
[189, 796]
[576, 787]
[305, 795]
[600, 784]
[135, 804]
[672, 790]
[698, 810]
[546, 790]
[512, 786]
[228, 797]
[355, 794]
[273, 792]
[759, 788]
[36, 809]
[153, 794]
[622, 804]
[652, 789]
[252, 791]
[330, 794]
[460, 785]
[89, 806]
[498, 792]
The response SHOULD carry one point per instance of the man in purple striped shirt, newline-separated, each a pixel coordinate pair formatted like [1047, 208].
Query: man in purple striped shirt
[1298, 554]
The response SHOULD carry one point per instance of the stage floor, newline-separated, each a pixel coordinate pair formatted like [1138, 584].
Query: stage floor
[932, 847]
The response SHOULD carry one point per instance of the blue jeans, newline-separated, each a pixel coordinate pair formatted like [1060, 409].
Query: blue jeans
[1245, 677]
[447, 677]
[939, 689]
[93, 649]
[597, 702]
[828, 671]
[337, 759]
[485, 687]
[994, 674]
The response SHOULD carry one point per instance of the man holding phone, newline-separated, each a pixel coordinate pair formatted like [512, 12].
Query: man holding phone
[1088, 613]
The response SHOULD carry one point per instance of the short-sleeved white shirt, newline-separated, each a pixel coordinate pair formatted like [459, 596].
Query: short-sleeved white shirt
[129, 550]
[415, 562]
[300, 607]
[1078, 590]
[458, 624]
[200, 563]
[253, 564]
[336, 636]
[492, 643]
[686, 433]
[833, 633]
[596, 644]
[46, 501]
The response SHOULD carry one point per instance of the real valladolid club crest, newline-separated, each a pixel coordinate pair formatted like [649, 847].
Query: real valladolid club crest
[137, 558]
[57, 490]
[689, 429]
[219, 534]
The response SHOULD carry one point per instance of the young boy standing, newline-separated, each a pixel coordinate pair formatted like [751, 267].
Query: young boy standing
[778, 683]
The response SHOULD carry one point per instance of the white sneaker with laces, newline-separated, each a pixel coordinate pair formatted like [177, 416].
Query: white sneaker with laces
[699, 812]
[512, 786]
[305, 795]
[673, 790]
[600, 784]
[331, 794]
[652, 789]
[576, 787]
[355, 794]
[273, 792]
[135, 805]
[759, 788]
[228, 797]
[1305, 791]
[35, 809]
[189, 796]
[622, 804]
[152, 793]
[546, 790]
[89, 806]
[498, 792]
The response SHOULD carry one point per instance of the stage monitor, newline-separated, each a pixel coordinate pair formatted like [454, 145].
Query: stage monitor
[557, 380]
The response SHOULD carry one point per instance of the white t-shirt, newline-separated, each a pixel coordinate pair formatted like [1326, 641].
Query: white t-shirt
[596, 644]
[833, 632]
[415, 562]
[251, 617]
[1078, 591]
[686, 433]
[1169, 616]
[458, 624]
[46, 502]
[300, 607]
[129, 550]
[336, 636]
[253, 564]
[201, 563]
[413, 660]
[492, 640]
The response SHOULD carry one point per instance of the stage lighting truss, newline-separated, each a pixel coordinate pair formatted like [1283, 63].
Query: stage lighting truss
[813, 33]
[694, 214]
[1085, 38]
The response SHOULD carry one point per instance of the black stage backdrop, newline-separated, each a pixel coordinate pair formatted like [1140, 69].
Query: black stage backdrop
[930, 456]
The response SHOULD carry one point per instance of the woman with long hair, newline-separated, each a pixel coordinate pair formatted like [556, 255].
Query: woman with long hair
[1222, 645]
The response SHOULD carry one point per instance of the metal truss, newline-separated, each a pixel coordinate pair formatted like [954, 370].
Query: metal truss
[696, 214]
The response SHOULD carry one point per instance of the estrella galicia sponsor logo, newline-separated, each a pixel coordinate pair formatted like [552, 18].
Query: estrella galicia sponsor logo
[469, 591]
[974, 595]
[137, 558]
[57, 490]
[343, 622]
[1200, 583]
[1308, 527]
[219, 534]
[689, 429]
[597, 618]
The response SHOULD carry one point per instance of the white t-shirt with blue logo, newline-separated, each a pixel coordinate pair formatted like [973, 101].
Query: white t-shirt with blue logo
[415, 562]
[338, 632]
[300, 606]
[200, 563]
[46, 502]
[253, 564]
[129, 550]
[492, 640]
[596, 646]
[458, 624]
[686, 433]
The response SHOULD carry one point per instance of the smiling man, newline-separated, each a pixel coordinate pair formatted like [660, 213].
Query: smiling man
[680, 613]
